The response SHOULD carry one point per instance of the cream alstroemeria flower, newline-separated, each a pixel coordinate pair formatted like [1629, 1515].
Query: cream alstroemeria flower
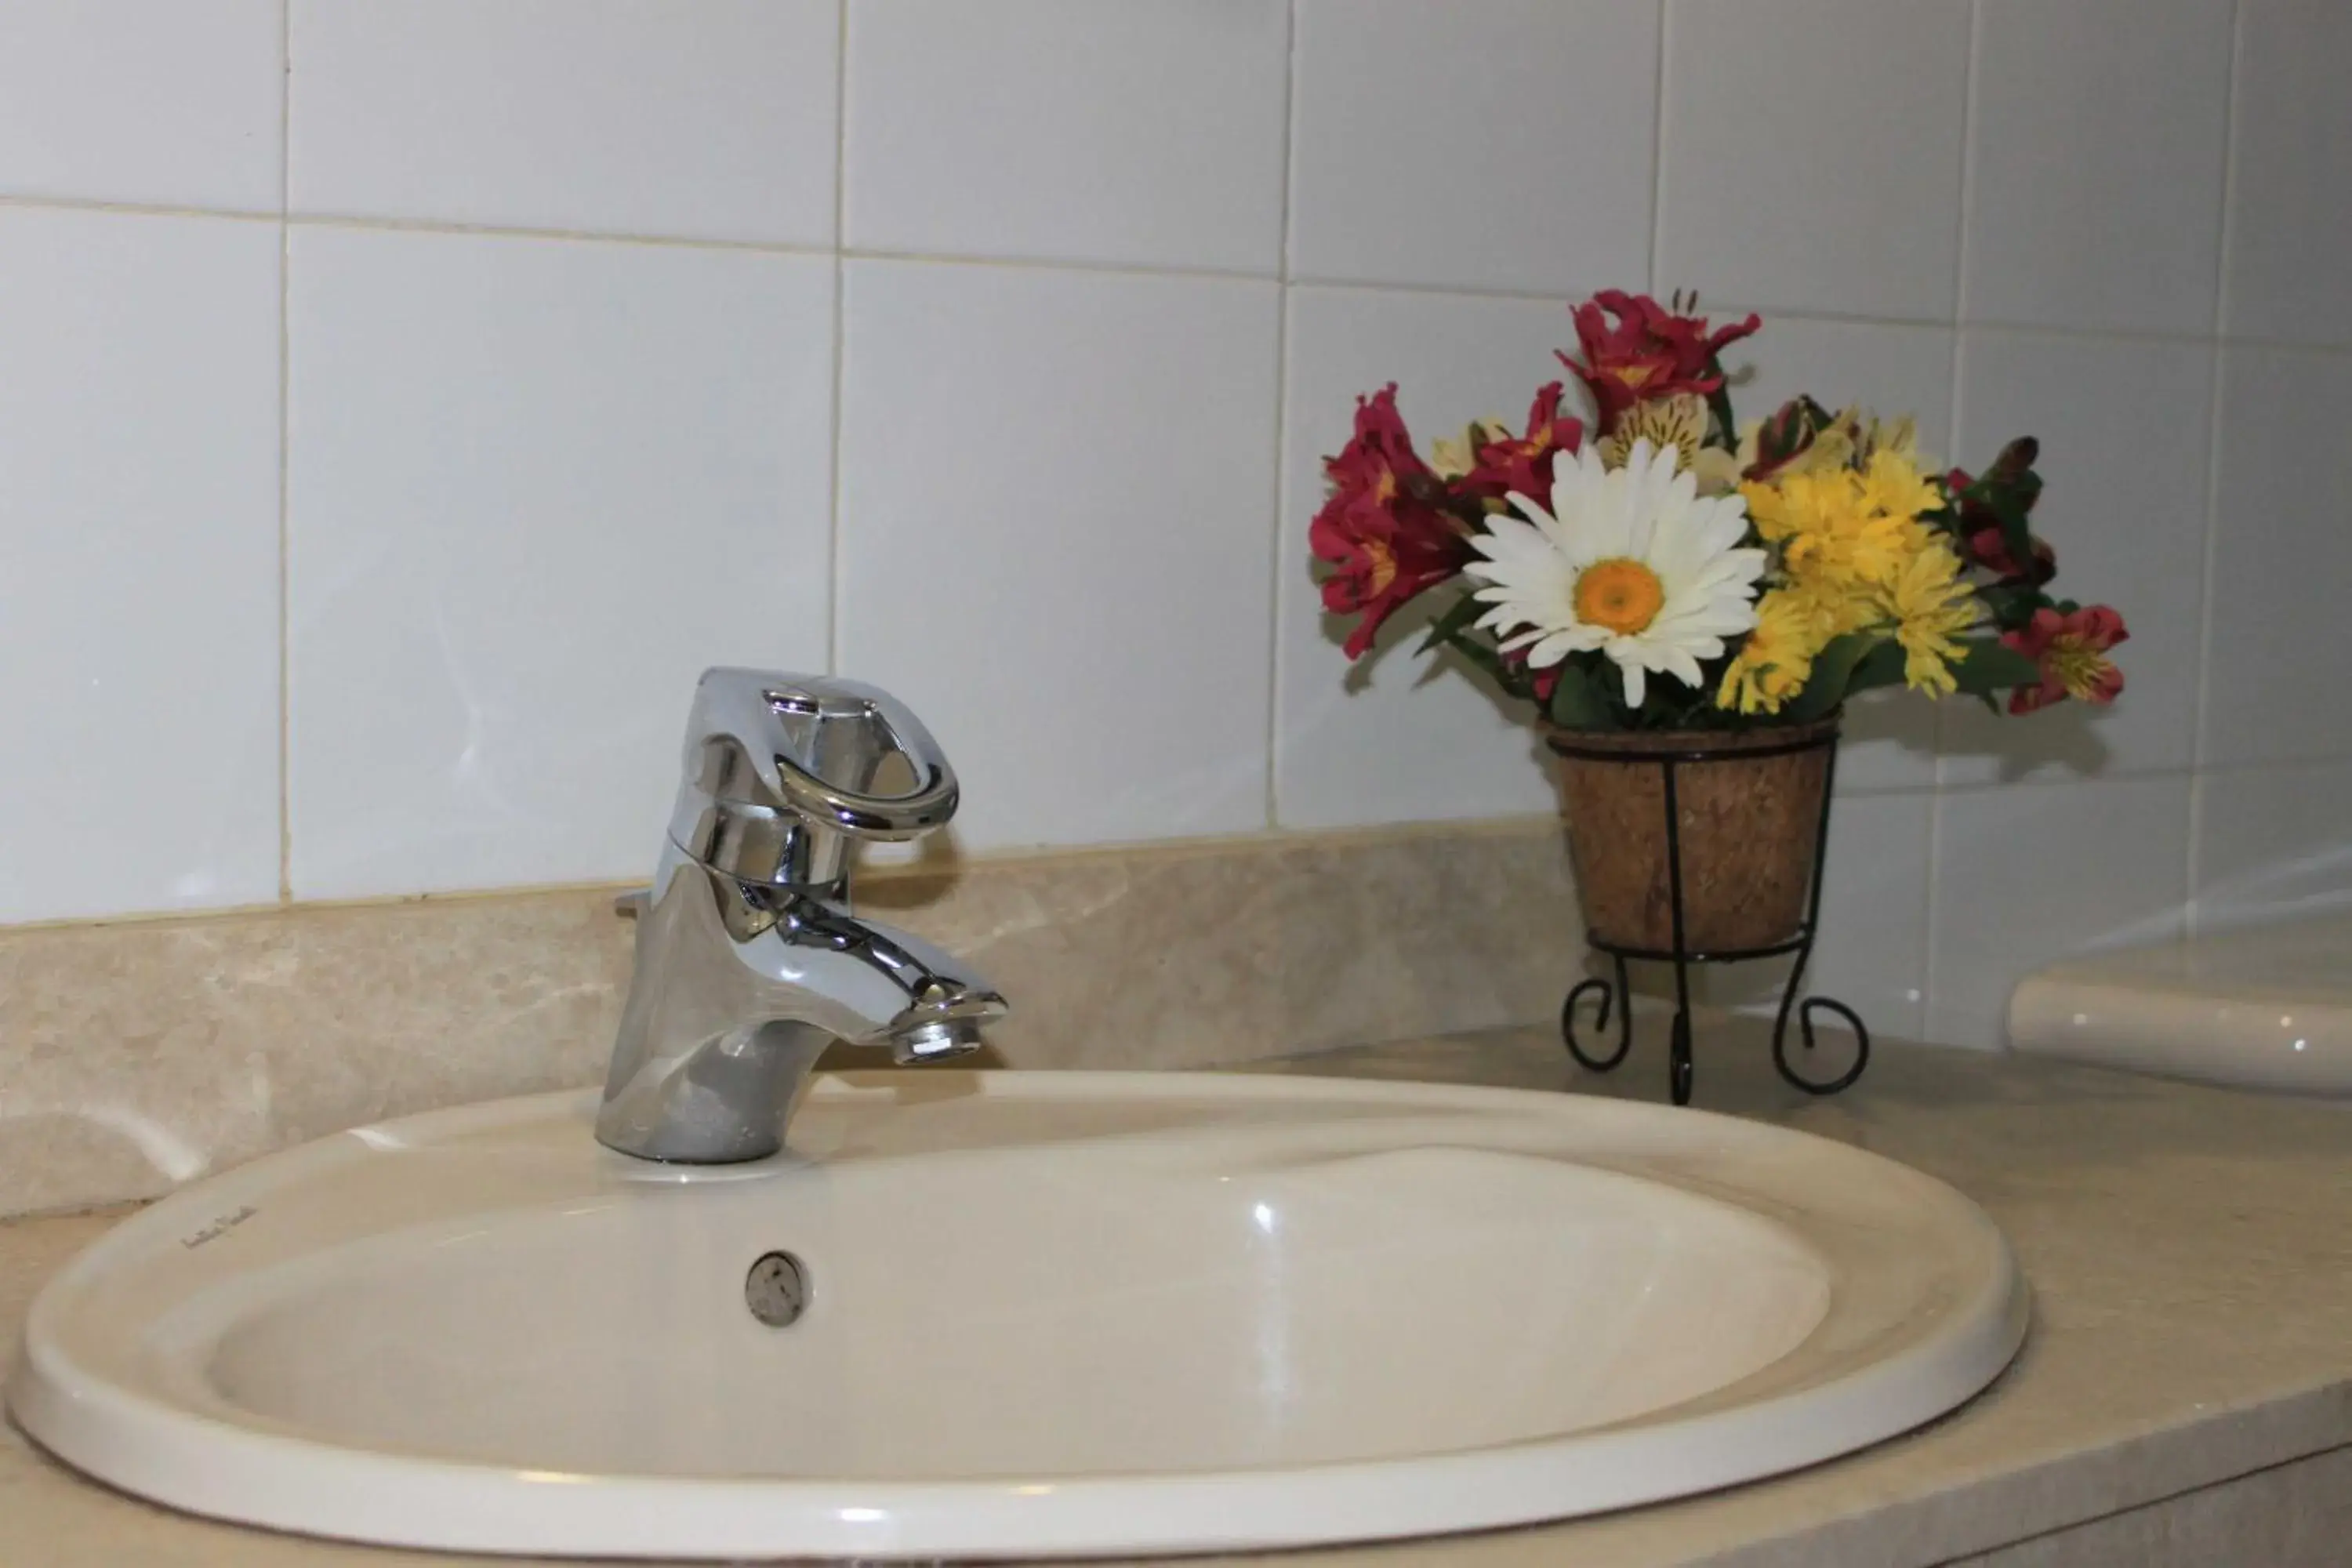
[1450, 459]
[1676, 424]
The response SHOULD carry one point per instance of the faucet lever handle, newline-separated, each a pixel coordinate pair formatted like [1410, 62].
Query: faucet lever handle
[816, 745]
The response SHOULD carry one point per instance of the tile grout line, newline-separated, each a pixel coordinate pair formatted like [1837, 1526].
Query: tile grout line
[2216, 370]
[292, 221]
[2228, 228]
[520, 231]
[1658, 148]
[835, 557]
[1060, 264]
[285, 455]
[149, 209]
[1281, 422]
[1937, 799]
[1930, 893]
[1942, 323]
[1970, 108]
[1507, 821]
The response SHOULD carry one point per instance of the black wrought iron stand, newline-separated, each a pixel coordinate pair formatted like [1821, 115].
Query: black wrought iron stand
[1679, 1066]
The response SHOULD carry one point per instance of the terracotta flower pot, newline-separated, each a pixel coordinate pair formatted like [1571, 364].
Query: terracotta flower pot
[1750, 831]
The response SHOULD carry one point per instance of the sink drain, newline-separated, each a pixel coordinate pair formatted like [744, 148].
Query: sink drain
[777, 1289]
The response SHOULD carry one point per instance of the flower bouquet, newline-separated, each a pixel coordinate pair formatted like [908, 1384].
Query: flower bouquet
[1767, 571]
[1664, 583]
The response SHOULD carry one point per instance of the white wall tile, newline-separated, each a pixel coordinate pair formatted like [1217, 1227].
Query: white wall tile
[535, 487]
[511, 459]
[1396, 738]
[708, 118]
[1147, 132]
[1893, 370]
[2291, 186]
[2122, 423]
[1810, 157]
[1416, 126]
[2101, 128]
[2281, 638]
[158, 102]
[138, 563]
[2273, 843]
[1873, 951]
[2029, 874]
[1057, 498]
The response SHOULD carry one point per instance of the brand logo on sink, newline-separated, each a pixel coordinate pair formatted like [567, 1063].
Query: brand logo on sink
[219, 1227]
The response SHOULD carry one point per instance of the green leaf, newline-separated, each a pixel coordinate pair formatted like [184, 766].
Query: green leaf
[2013, 604]
[2016, 537]
[1484, 657]
[1444, 628]
[1988, 666]
[1882, 666]
[1718, 404]
[1580, 701]
[1832, 677]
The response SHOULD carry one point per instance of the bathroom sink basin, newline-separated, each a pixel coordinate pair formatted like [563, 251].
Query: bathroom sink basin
[1016, 1315]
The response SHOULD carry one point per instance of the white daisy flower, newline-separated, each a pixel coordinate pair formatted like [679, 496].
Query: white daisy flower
[1632, 560]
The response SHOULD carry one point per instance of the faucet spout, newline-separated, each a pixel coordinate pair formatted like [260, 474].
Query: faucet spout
[738, 989]
[746, 967]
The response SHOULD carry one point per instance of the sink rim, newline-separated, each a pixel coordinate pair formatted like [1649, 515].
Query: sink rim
[205, 1464]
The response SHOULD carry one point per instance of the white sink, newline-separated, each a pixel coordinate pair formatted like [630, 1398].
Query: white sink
[1046, 1315]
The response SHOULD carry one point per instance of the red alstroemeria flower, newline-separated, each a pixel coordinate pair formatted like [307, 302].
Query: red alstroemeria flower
[1523, 463]
[2072, 651]
[1985, 545]
[1650, 351]
[1378, 529]
[1379, 457]
[1988, 548]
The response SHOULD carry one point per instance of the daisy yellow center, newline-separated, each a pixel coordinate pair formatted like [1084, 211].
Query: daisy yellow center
[1623, 596]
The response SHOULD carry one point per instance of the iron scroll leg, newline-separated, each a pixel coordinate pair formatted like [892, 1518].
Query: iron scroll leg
[1679, 1069]
[1618, 995]
[1805, 1028]
[1804, 1010]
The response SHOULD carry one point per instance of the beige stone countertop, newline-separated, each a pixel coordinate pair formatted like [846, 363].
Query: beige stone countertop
[2189, 1251]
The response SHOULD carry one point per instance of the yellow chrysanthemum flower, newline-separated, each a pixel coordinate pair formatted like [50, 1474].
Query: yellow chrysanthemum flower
[1829, 525]
[1834, 604]
[1776, 659]
[1851, 557]
[1892, 484]
[1931, 607]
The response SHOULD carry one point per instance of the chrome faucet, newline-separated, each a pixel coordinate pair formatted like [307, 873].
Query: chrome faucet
[749, 962]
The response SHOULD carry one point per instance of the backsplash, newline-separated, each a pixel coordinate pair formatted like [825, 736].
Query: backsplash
[403, 400]
[136, 1058]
